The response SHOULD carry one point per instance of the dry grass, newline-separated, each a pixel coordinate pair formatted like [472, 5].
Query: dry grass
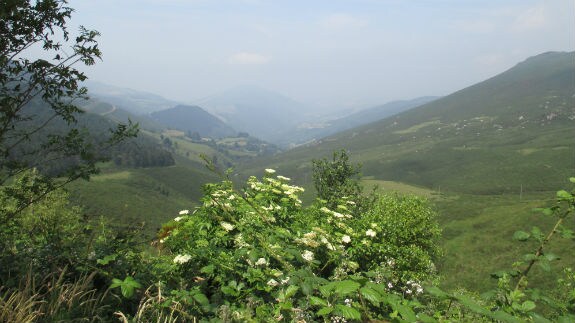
[53, 299]
[153, 309]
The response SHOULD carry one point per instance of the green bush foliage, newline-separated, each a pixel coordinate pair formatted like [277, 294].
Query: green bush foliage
[257, 254]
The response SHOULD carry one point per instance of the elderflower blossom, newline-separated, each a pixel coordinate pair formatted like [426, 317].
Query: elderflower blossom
[307, 255]
[184, 212]
[261, 262]
[272, 282]
[227, 226]
[178, 219]
[370, 233]
[182, 259]
[346, 239]
[283, 178]
[270, 171]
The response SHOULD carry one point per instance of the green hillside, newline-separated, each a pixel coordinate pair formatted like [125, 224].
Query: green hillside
[511, 131]
[193, 119]
[485, 155]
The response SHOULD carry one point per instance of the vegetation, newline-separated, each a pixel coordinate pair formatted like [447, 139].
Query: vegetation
[252, 253]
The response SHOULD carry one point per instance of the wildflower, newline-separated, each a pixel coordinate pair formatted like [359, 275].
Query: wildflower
[231, 197]
[338, 215]
[227, 226]
[346, 239]
[178, 219]
[261, 262]
[348, 302]
[370, 233]
[326, 210]
[182, 259]
[283, 178]
[270, 171]
[272, 282]
[389, 285]
[307, 255]
[184, 212]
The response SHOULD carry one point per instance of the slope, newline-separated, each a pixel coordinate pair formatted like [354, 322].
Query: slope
[193, 119]
[511, 131]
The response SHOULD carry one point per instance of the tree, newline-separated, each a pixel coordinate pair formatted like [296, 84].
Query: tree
[336, 179]
[38, 98]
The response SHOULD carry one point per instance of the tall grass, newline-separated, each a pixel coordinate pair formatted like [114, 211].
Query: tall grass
[53, 299]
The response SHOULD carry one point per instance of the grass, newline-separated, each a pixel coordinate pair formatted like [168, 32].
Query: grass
[150, 195]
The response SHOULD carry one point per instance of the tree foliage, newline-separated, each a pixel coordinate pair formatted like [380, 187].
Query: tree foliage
[38, 96]
[336, 178]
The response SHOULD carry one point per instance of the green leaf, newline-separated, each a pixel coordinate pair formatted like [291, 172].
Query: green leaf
[325, 290]
[291, 290]
[567, 234]
[371, 295]
[107, 259]
[201, 299]
[315, 301]
[521, 235]
[545, 266]
[539, 319]
[472, 305]
[324, 311]
[406, 313]
[551, 256]
[345, 287]
[564, 195]
[504, 317]
[348, 312]
[209, 269]
[116, 283]
[572, 179]
[422, 317]
[527, 306]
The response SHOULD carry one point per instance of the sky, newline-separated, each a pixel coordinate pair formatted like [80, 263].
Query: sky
[330, 54]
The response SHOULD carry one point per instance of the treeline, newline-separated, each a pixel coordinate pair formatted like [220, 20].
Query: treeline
[141, 152]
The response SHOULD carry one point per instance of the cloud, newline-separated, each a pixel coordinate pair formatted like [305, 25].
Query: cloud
[245, 58]
[530, 19]
[341, 21]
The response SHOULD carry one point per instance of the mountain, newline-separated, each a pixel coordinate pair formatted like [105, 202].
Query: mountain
[513, 131]
[193, 119]
[261, 113]
[313, 131]
[137, 102]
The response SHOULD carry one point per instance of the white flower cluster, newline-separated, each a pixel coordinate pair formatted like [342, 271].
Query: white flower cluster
[346, 239]
[413, 287]
[307, 255]
[276, 185]
[227, 226]
[370, 233]
[182, 259]
[315, 238]
[261, 262]
[335, 214]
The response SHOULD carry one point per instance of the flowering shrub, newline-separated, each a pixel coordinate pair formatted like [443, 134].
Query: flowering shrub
[258, 254]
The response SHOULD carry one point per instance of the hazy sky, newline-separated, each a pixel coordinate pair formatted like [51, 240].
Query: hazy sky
[324, 52]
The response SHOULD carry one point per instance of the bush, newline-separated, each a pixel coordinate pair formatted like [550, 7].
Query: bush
[257, 254]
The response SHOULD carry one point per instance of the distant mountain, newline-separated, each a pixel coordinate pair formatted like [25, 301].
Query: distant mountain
[137, 102]
[261, 113]
[513, 130]
[193, 119]
[312, 131]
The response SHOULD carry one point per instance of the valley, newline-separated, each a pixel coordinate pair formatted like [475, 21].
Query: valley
[485, 159]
